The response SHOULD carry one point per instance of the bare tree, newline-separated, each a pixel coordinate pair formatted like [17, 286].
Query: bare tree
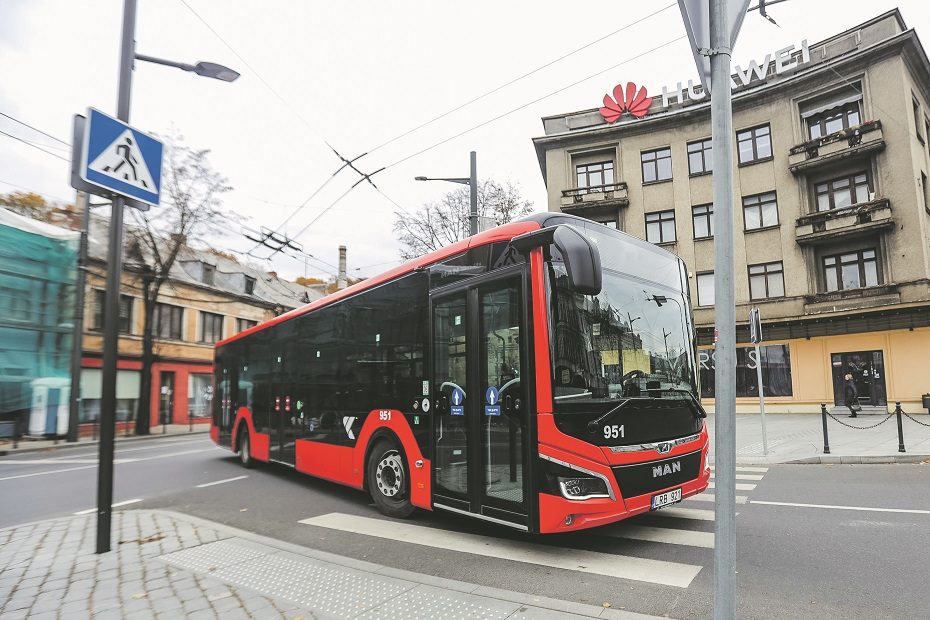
[437, 224]
[191, 191]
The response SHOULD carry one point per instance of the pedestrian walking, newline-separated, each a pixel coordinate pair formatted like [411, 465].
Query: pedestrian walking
[851, 396]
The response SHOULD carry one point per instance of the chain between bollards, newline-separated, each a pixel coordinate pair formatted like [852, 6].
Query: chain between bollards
[897, 412]
[826, 439]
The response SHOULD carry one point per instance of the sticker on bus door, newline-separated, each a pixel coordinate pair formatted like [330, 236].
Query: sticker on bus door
[458, 397]
[492, 398]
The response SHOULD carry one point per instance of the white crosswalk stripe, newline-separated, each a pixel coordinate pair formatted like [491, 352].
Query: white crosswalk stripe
[709, 497]
[739, 486]
[758, 470]
[756, 477]
[625, 567]
[684, 513]
[666, 535]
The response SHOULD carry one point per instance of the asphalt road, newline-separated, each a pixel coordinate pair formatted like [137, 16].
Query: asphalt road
[793, 561]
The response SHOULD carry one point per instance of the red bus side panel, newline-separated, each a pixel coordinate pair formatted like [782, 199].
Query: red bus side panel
[260, 442]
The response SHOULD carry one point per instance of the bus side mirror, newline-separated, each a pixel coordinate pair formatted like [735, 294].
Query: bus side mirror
[579, 254]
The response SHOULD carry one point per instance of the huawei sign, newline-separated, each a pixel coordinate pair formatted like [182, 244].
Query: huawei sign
[636, 103]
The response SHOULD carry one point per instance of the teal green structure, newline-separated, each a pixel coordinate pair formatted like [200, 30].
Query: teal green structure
[38, 276]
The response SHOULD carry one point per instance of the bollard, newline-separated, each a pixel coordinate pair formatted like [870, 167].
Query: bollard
[897, 412]
[826, 439]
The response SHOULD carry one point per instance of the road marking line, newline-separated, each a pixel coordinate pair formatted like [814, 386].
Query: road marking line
[210, 484]
[120, 450]
[758, 470]
[45, 473]
[116, 505]
[682, 513]
[118, 462]
[859, 508]
[620, 566]
[660, 535]
[60, 461]
[739, 487]
[755, 477]
[710, 497]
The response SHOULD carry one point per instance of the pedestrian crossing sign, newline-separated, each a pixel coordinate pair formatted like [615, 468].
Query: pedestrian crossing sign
[120, 159]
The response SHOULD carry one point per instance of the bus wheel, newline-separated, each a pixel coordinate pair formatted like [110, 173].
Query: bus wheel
[245, 449]
[388, 480]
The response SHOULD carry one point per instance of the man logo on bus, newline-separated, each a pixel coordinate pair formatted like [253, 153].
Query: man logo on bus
[629, 100]
[668, 468]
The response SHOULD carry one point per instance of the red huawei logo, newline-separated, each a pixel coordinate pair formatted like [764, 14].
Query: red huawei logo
[636, 103]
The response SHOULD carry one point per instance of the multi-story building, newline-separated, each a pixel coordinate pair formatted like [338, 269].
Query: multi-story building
[208, 296]
[831, 216]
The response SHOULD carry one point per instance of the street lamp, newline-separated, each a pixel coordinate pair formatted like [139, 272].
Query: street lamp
[114, 273]
[472, 182]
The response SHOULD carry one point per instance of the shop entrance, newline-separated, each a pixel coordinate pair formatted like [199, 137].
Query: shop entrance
[868, 371]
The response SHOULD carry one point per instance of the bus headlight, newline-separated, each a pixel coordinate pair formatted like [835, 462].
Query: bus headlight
[582, 487]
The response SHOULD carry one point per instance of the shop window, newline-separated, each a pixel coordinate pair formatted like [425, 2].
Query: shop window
[760, 211]
[851, 270]
[701, 156]
[199, 395]
[843, 191]
[776, 371]
[657, 165]
[211, 327]
[703, 216]
[594, 175]
[754, 144]
[766, 280]
[660, 227]
[705, 288]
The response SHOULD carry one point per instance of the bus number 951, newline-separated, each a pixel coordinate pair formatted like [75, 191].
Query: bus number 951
[613, 431]
[384, 414]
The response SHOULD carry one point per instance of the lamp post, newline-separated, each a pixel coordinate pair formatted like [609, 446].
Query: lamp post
[472, 182]
[114, 272]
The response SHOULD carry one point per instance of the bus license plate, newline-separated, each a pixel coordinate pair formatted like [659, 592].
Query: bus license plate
[664, 499]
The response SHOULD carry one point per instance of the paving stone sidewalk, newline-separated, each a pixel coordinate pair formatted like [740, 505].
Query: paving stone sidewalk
[168, 565]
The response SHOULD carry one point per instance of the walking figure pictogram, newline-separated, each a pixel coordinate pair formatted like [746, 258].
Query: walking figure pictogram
[124, 152]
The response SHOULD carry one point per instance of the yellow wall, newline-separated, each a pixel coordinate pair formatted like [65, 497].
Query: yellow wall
[906, 355]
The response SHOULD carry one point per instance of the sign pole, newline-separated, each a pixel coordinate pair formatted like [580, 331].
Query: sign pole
[473, 195]
[111, 304]
[755, 334]
[725, 310]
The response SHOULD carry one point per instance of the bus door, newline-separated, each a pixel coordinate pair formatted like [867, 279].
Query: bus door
[480, 420]
[283, 411]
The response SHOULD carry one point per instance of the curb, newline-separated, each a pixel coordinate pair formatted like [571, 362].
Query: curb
[63, 445]
[828, 459]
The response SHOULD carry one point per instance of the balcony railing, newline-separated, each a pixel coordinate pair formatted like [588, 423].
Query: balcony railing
[864, 138]
[609, 192]
[859, 219]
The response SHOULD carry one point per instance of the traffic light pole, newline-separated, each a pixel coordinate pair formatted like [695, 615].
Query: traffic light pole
[111, 304]
[725, 317]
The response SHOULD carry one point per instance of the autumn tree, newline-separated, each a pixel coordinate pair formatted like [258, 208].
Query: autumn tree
[191, 191]
[438, 224]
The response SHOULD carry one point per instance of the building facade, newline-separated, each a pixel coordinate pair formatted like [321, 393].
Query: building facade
[209, 296]
[831, 214]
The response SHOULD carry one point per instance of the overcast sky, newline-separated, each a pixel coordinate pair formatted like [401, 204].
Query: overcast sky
[355, 74]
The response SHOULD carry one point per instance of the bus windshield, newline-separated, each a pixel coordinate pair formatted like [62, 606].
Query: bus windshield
[633, 340]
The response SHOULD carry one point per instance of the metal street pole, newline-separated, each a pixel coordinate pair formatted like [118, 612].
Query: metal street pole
[765, 437]
[82, 202]
[473, 184]
[111, 304]
[725, 313]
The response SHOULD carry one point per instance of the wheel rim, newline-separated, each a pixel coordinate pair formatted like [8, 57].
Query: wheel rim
[389, 475]
[244, 451]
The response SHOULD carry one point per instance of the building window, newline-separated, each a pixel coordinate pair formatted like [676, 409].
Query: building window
[917, 119]
[760, 211]
[926, 191]
[209, 274]
[833, 120]
[703, 221]
[657, 165]
[125, 312]
[211, 327]
[754, 144]
[766, 280]
[244, 324]
[168, 321]
[594, 175]
[850, 270]
[660, 227]
[249, 285]
[842, 192]
[927, 131]
[705, 288]
[700, 156]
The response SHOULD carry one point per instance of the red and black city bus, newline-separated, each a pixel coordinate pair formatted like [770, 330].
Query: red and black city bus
[540, 375]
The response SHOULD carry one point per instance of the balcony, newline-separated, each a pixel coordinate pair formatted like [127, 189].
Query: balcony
[595, 200]
[858, 140]
[852, 299]
[861, 219]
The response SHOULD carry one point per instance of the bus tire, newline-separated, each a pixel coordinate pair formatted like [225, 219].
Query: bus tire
[245, 449]
[389, 479]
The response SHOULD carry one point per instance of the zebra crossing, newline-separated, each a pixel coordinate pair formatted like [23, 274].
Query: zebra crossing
[688, 525]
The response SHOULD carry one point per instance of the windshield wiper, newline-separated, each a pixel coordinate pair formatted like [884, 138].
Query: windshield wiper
[692, 401]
